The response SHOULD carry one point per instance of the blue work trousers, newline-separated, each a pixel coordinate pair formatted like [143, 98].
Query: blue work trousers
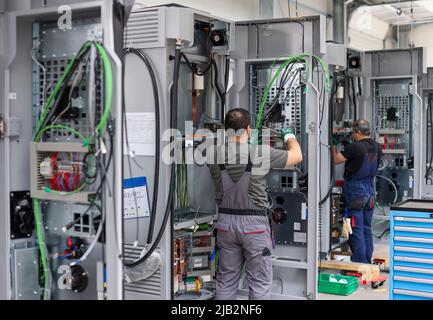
[361, 239]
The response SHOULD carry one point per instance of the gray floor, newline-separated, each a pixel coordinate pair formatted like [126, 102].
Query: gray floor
[365, 292]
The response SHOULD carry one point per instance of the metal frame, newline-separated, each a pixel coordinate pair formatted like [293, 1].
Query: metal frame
[158, 47]
[426, 87]
[114, 237]
[314, 42]
[417, 69]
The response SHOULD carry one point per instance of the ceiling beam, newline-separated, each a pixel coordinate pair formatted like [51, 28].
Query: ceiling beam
[373, 3]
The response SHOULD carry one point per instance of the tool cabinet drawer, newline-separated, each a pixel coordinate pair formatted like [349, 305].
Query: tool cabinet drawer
[411, 252]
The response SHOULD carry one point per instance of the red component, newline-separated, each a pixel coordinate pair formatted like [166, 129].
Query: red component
[54, 182]
[378, 282]
[70, 242]
[378, 261]
[353, 274]
[339, 183]
[66, 178]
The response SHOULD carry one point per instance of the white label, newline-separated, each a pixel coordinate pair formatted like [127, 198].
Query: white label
[297, 226]
[300, 237]
[141, 133]
[198, 263]
[138, 204]
[12, 96]
[304, 211]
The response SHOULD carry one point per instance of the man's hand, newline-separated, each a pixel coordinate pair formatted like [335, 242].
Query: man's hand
[347, 228]
[338, 157]
[287, 133]
[294, 149]
[335, 141]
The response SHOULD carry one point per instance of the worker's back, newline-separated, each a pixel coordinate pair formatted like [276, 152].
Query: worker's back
[361, 168]
[236, 161]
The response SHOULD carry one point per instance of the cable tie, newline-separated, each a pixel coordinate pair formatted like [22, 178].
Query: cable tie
[103, 146]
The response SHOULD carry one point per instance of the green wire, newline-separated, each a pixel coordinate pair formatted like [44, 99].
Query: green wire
[60, 193]
[59, 126]
[100, 128]
[99, 131]
[40, 235]
[299, 58]
[58, 86]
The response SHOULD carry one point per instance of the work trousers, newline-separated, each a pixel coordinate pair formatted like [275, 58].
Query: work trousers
[361, 239]
[244, 241]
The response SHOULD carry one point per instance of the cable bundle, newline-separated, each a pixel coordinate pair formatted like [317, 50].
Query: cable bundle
[47, 122]
[287, 66]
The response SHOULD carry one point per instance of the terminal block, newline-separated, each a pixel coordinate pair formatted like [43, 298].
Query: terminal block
[61, 171]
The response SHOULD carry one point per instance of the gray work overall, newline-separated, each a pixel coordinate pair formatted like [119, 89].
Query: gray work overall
[244, 238]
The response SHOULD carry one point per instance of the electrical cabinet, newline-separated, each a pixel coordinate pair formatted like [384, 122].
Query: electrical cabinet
[427, 135]
[392, 89]
[283, 93]
[87, 189]
[61, 98]
[384, 87]
[187, 247]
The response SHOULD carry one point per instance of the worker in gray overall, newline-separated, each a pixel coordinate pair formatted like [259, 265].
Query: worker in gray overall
[243, 230]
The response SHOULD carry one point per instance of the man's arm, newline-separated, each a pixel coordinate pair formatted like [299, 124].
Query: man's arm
[338, 157]
[294, 155]
[294, 152]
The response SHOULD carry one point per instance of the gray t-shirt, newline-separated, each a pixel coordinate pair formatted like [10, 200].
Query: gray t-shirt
[263, 159]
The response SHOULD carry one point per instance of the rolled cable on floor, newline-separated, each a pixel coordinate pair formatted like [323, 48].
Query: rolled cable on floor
[392, 184]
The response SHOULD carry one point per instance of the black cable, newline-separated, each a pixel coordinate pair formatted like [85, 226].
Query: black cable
[220, 94]
[330, 137]
[226, 85]
[102, 171]
[93, 203]
[283, 81]
[173, 122]
[275, 102]
[212, 65]
[430, 122]
[194, 69]
[359, 86]
[82, 53]
[431, 132]
[428, 138]
[258, 41]
[146, 61]
[322, 96]
[355, 107]
[387, 230]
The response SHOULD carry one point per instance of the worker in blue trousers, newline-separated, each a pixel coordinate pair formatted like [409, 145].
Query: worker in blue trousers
[361, 158]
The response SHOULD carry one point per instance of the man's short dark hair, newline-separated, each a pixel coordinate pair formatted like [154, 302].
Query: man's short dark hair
[362, 126]
[237, 119]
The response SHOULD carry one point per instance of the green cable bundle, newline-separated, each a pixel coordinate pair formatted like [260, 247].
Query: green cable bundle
[302, 58]
[43, 126]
